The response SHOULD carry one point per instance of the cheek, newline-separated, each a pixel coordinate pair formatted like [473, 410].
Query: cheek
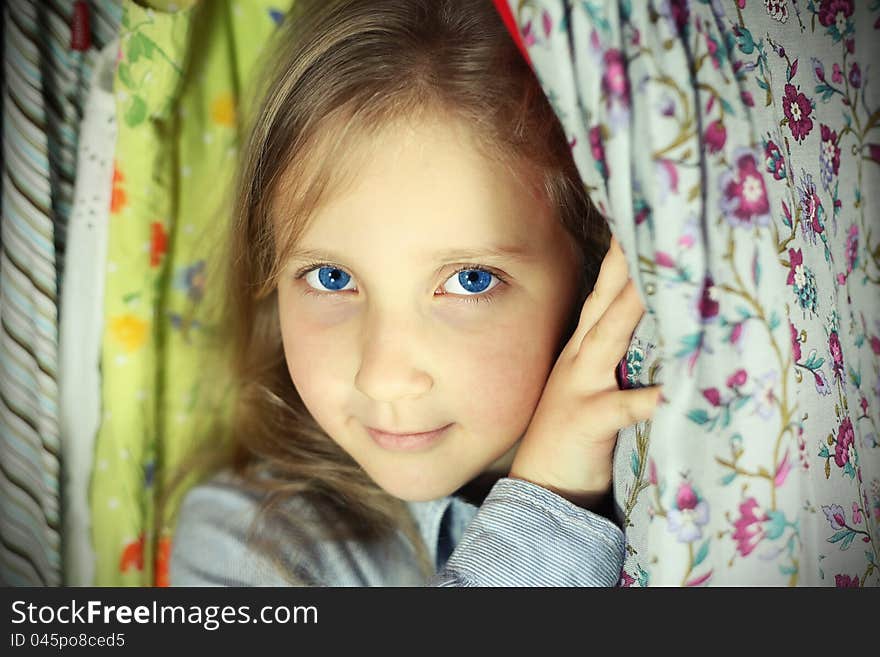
[314, 359]
[502, 376]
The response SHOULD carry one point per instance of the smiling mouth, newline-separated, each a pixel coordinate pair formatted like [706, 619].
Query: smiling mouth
[396, 441]
[406, 433]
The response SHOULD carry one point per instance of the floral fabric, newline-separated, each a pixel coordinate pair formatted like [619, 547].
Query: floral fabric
[181, 71]
[734, 147]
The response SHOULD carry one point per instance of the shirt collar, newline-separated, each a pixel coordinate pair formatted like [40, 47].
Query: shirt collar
[430, 514]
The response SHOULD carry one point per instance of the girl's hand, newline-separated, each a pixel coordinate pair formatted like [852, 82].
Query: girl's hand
[569, 444]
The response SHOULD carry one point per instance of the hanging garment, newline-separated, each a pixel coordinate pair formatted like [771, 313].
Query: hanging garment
[82, 320]
[178, 84]
[46, 83]
[733, 148]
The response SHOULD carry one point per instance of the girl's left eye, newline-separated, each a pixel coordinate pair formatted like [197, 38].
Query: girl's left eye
[470, 282]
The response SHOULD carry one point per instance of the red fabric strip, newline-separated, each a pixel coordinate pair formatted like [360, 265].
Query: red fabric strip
[509, 21]
[80, 32]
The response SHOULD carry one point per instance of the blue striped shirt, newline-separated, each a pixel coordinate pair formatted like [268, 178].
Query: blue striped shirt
[521, 535]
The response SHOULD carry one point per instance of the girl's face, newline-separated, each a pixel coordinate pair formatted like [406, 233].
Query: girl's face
[432, 292]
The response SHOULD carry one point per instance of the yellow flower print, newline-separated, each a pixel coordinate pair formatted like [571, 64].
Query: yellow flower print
[129, 331]
[223, 110]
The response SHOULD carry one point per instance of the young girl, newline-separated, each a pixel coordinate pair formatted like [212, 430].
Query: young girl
[424, 397]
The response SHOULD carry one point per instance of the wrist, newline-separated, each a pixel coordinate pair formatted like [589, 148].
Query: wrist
[595, 496]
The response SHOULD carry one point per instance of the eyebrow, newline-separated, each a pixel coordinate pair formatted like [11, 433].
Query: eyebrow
[495, 252]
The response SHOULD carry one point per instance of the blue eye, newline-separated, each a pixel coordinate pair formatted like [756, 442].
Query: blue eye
[328, 278]
[471, 282]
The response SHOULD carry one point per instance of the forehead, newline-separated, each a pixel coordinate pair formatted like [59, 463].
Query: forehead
[428, 183]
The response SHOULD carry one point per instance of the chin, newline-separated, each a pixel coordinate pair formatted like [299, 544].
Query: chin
[419, 490]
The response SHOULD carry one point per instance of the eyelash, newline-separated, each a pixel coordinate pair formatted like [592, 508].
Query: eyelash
[488, 297]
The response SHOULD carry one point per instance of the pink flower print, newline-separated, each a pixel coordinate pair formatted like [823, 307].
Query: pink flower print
[595, 44]
[829, 155]
[744, 195]
[712, 396]
[786, 213]
[846, 582]
[845, 439]
[716, 136]
[667, 178]
[747, 529]
[834, 348]
[712, 47]
[834, 15]
[857, 514]
[836, 74]
[795, 342]
[736, 334]
[836, 355]
[777, 9]
[782, 471]
[686, 497]
[636, 37]
[689, 233]
[737, 379]
[708, 305]
[614, 81]
[855, 75]
[818, 69]
[797, 109]
[831, 11]
[689, 516]
[663, 259]
[680, 14]
[773, 160]
[626, 580]
[835, 516]
[667, 105]
[875, 344]
[795, 267]
[528, 35]
[747, 98]
[852, 248]
[546, 23]
[597, 149]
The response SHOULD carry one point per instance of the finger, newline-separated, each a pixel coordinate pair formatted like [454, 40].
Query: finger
[613, 276]
[607, 341]
[616, 409]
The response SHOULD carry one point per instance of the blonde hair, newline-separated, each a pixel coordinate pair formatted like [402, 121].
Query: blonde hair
[342, 69]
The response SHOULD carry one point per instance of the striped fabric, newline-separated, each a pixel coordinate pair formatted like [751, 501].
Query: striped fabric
[45, 86]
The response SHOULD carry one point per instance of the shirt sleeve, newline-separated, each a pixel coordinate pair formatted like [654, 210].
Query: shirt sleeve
[526, 535]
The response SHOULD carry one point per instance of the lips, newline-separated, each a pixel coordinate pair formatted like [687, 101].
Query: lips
[406, 441]
[406, 433]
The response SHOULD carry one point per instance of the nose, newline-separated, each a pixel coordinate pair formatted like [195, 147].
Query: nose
[388, 369]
